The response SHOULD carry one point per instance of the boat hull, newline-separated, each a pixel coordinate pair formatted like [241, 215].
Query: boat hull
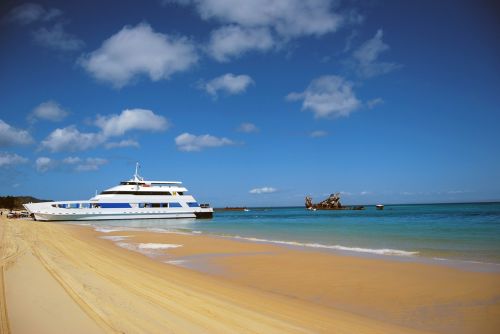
[43, 212]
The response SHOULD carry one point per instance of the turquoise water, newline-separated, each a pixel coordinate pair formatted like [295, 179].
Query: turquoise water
[468, 232]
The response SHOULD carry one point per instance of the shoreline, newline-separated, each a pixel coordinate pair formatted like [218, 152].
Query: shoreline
[375, 253]
[146, 288]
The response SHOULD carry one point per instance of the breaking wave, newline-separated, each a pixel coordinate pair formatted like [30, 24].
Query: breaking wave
[380, 251]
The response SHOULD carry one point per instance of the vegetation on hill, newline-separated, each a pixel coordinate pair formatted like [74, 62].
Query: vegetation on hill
[16, 202]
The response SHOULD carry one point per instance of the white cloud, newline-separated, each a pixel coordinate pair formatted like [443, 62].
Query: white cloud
[289, 18]
[328, 96]
[31, 12]
[456, 192]
[71, 139]
[189, 143]
[366, 57]
[349, 40]
[122, 143]
[229, 83]
[136, 51]
[247, 128]
[9, 159]
[13, 136]
[49, 110]
[408, 193]
[71, 160]
[263, 190]
[43, 164]
[318, 133]
[90, 164]
[131, 119]
[77, 164]
[261, 25]
[232, 41]
[374, 102]
[57, 38]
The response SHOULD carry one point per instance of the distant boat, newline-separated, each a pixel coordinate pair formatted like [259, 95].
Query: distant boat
[379, 207]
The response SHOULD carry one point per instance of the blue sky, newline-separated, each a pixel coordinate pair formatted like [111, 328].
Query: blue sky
[253, 102]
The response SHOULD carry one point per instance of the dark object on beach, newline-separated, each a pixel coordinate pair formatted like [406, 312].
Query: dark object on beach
[331, 203]
[379, 207]
[18, 214]
[236, 208]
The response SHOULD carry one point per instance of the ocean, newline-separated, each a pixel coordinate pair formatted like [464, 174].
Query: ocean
[457, 232]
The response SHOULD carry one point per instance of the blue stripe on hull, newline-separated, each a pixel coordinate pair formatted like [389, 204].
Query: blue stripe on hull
[115, 205]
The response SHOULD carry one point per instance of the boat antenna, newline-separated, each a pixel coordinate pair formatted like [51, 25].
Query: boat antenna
[137, 177]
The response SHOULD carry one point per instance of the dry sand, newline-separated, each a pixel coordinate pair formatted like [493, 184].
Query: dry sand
[60, 278]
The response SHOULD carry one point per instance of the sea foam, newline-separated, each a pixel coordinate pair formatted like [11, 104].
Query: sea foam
[157, 246]
[149, 249]
[111, 229]
[378, 251]
[175, 262]
[115, 237]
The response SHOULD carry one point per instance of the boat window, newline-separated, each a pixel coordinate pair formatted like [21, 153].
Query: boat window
[127, 183]
[193, 204]
[164, 205]
[96, 205]
[73, 206]
[155, 205]
[85, 205]
[180, 193]
[141, 205]
[174, 205]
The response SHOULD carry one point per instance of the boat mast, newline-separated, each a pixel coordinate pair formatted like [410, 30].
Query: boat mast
[137, 177]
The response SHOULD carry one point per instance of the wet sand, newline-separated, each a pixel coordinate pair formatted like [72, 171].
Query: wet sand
[61, 278]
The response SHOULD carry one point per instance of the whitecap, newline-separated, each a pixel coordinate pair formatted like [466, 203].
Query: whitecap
[379, 251]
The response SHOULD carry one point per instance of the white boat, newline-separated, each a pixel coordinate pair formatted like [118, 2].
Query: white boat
[133, 199]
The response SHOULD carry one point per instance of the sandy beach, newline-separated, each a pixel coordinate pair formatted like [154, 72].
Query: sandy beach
[58, 278]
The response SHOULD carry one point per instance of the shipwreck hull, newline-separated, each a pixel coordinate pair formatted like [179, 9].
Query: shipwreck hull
[338, 209]
[331, 203]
